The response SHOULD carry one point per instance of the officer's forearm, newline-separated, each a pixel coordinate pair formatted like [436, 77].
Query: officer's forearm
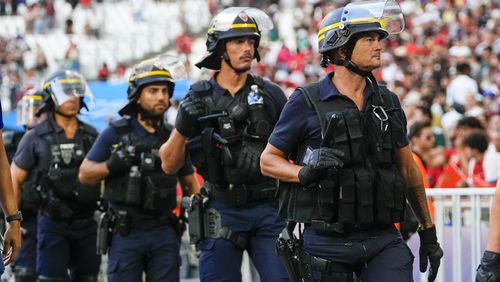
[273, 163]
[494, 229]
[173, 153]
[418, 202]
[92, 172]
[7, 195]
[190, 184]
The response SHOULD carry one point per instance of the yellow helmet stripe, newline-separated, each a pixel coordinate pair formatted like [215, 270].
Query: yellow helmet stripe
[321, 32]
[152, 73]
[33, 97]
[238, 25]
[64, 81]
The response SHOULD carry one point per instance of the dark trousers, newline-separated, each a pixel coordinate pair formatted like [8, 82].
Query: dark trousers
[27, 254]
[64, 245]
[153, 251]
[379, 256]
[221, 259]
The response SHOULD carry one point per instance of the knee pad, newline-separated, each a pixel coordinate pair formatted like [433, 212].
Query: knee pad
[50, 279]
[25, 274]
[86, 278]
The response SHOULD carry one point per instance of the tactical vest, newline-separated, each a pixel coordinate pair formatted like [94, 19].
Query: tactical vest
[231, 139]
[145, 186]
[368, 188]
[61, 176]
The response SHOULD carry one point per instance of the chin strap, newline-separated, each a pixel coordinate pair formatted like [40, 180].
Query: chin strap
[226, 58]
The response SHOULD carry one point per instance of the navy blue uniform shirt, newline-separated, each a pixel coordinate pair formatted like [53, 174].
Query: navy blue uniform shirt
[299, 123]
[101, 150]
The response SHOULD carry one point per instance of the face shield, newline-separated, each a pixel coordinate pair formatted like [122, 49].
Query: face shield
[224, 21]
[69, 86]
[173, 64]
[387, 13]
[27, 109]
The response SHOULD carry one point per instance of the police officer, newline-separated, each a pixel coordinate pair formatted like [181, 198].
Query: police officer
[226, 122]
[47, 162]
[489, 269]
[8, 202]
[351, 163]
[146, 234]
[25, 264]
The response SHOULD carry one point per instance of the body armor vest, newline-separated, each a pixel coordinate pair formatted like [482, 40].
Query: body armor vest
[145, 186]
[61, 176]
[232, 137]
[368, 188]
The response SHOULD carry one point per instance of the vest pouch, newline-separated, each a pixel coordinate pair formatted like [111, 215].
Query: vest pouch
[248, 162]
[400, 191]
[341, 141]
[88, 194]
[160, 192]
[364, 194]
[385, 182]
[347, 193]
[197, 156]
[64, 181]
[296, 203]
[328, 194]
[116, 189]
[353, 125]
[134, 184]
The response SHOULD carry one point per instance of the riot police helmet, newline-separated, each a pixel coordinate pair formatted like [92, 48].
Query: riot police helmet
[341, 27]
[232, 23]
[164, 69]
[62, 86]
[28, 107]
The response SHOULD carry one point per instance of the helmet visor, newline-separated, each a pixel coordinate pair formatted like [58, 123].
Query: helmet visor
[27, 109]
[225, 19]
[151, 69]
[71, 85]
[387, 13]
[173, 64]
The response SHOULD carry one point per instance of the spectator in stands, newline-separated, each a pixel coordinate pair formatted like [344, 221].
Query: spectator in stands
[461, 85]
[489, 269]
[491, 162]
[475, 146]
[103, 73]
[421, 141]
[72, 60]
[8, 5]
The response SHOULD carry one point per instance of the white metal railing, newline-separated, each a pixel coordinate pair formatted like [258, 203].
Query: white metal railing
[465, 205]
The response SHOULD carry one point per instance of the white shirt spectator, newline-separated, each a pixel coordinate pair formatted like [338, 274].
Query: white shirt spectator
[459, 87]
[491, 164]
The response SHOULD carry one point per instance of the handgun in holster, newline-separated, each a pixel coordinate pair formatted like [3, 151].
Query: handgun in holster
[290, 249]
[104, 231]
[195, 208]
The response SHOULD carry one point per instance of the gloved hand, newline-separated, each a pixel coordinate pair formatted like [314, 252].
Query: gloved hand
[249, 159]
[190, 109]
[489, 269]
[320, 161]
[430, 252]
[119, 162]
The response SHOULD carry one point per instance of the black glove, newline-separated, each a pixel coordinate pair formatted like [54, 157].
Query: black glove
[249, 159]
[489, 269]
[119, 162]
[430, 252]
[190, 109]
[321, 160]
[54, 207]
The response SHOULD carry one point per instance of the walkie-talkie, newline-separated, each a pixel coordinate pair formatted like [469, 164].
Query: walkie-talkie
[330, 129]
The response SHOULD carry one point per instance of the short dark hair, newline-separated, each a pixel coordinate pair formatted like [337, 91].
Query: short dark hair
[471, 122]
[463, 68]
[478, 141]
[417, 127]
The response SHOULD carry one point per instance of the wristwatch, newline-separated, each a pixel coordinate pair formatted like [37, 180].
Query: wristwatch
[17, 216]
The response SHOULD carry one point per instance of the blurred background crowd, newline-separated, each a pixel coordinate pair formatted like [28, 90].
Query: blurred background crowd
[444, 66]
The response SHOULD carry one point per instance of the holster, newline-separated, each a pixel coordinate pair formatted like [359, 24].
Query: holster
[290, 249]
[104, 231]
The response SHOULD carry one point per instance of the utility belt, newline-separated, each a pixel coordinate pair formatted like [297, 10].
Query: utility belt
[334, 228]
[237, 195]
